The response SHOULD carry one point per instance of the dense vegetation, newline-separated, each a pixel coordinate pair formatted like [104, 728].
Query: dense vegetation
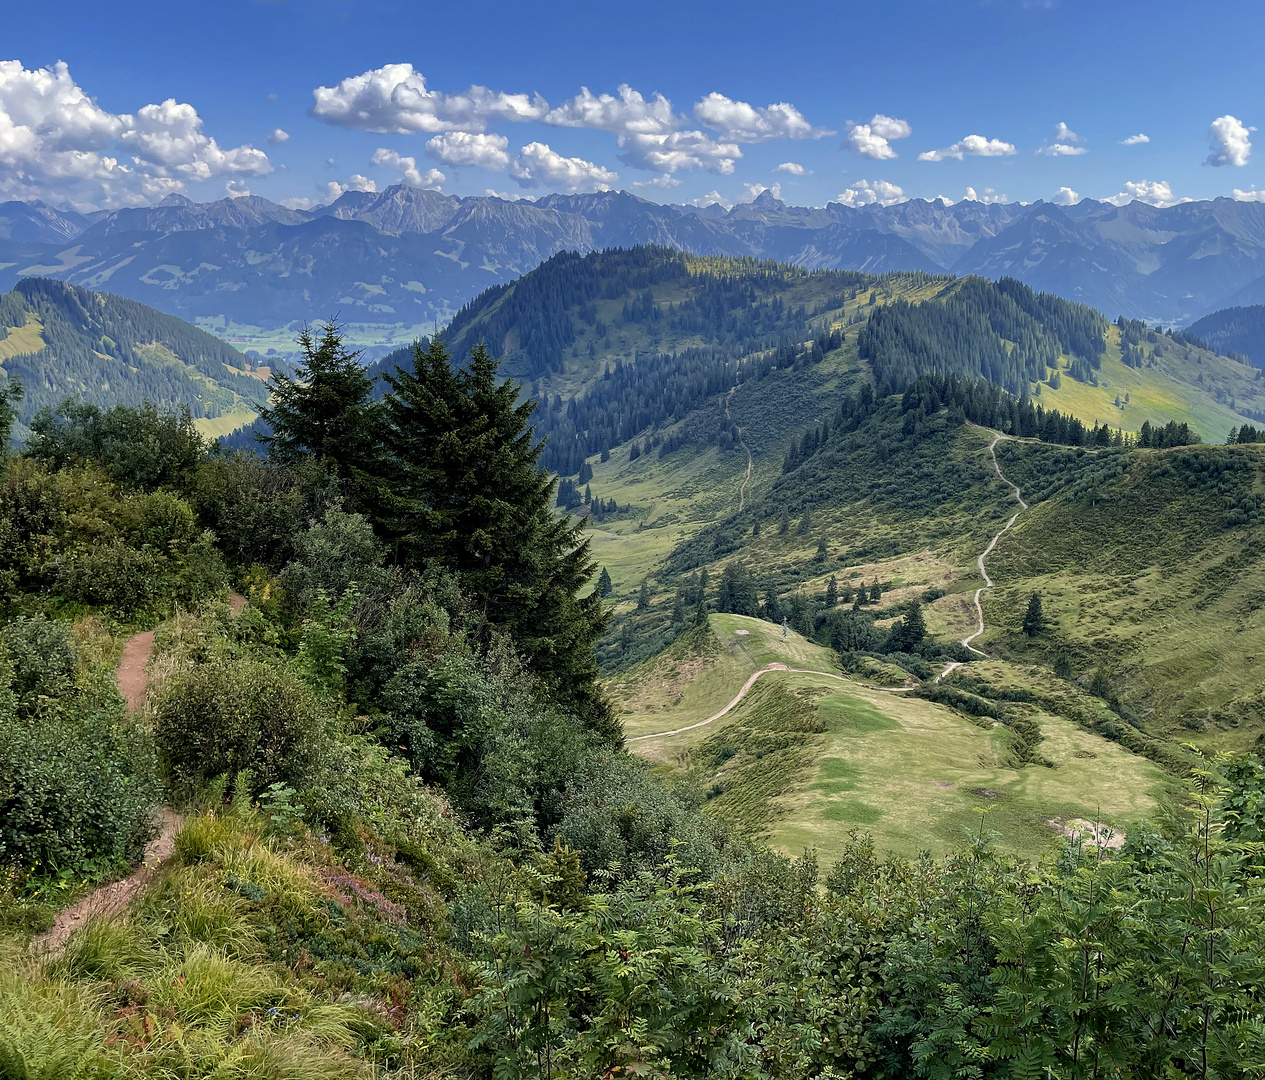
[1236, 330]
[60, 340]
[1002, 332]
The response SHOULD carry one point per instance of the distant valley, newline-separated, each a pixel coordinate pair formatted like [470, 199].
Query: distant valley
[392, 264]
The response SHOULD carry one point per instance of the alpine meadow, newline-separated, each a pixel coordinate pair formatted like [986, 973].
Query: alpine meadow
[448, 632]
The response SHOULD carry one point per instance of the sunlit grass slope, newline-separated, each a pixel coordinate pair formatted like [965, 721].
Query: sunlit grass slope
[806, 758]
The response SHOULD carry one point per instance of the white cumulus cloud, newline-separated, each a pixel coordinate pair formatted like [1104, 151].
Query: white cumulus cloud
[1250, 195]
[486, 151]
[712, 198]
[742, 122]
[1155, 192]
[407, 168]
[537, 165]
[395, 99]
[971, 146]
[56, 143]
[1230, 142]
[1065, 196]
[792, 167]
[278, 137]
[987, 196]
[629, 113]
[870, 192]
[874, 140]
[648, 131]
[1135, 140]
[667, 180]
[1064, 143]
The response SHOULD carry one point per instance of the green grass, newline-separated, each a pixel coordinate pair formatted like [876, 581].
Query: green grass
[1186, 385]
[1151, 585]
[804, 758]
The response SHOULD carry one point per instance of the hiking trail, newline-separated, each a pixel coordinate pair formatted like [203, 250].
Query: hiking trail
[133, 680]
[742, 491]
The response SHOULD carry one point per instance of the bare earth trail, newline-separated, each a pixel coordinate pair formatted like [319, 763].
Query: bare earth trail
[988, 582]
[133, 680]
[742, 491]
[953, 665]
[751, 681]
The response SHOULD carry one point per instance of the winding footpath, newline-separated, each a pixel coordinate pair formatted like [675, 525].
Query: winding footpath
[988, 581]
[132, 676]
[952, 665]
[742, 491]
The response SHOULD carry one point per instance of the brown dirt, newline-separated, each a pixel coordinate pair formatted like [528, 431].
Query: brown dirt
[113, 898]
[132, 676]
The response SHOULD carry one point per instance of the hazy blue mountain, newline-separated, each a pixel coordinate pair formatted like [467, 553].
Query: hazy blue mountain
[406, 256]
[39, 223]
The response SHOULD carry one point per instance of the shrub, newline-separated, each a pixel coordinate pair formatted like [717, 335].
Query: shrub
[225, 717]
[78, 780]
[42, 658]
[112, 576]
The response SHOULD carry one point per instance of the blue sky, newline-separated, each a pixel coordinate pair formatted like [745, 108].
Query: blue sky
[875, 101]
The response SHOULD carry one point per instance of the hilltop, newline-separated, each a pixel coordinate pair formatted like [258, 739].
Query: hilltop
[61, 341]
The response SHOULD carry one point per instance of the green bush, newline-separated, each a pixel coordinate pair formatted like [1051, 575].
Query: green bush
[112, 576]
[230, 716]
[78, 778]
[42, 659]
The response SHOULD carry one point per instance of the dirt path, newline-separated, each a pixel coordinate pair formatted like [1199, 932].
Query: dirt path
[951, 666]
[132, 676]
[742, 491]
[751, 681]
[115, 897]
[133, 679]
[988, 581]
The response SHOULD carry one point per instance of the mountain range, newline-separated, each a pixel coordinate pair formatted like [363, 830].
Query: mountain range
[406, 257]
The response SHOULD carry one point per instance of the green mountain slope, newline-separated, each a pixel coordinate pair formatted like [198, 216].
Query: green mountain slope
[1236, 329]
[62, 341]
[1153, 574]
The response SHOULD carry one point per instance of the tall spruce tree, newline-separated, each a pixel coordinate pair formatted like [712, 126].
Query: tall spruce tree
[1034, 618]
[10, 395]
[328, 414]
[469, 495]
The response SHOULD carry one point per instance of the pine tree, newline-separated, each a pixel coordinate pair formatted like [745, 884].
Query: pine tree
[604, 584]
[876, 592]
[832, 591]
[643, 596]
[820, 554]
[678, 609]
[468, 495]
[328, 414]
[1034, 620]
[10, 395]
[784, 526]
[805, 523]
[755, 530]
[908, 634]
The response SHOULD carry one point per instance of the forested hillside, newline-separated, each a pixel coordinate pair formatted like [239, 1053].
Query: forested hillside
[1236, 330]
[63, 341]
[643, 345]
